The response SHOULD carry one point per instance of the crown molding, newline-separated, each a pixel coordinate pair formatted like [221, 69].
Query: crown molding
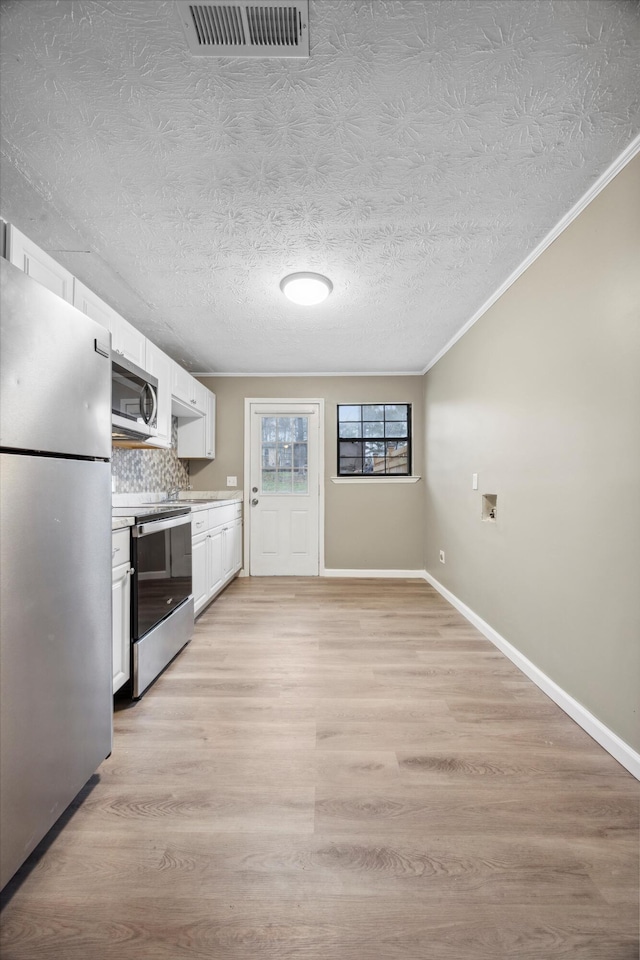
[618, 164]
[372, 373]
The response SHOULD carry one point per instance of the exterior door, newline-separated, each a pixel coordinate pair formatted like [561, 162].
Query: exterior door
[284, 509]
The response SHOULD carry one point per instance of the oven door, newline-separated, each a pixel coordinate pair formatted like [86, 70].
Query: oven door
[162, 564]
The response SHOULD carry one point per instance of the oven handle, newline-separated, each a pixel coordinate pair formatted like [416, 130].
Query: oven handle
[156, 526]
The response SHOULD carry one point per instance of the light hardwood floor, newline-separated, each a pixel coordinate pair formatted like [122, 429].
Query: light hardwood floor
[339, 770]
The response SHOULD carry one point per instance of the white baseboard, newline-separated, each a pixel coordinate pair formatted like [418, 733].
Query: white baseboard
[611, 742]
[375, 574]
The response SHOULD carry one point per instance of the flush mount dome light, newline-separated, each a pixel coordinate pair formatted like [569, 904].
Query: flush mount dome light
[306, 289]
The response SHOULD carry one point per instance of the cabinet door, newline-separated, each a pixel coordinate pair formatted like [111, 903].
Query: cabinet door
[92, 306]
[199, 396]
[37, 264]
[210, 427]
[182, 385]
[227, 553]
[159, 365]
[121, 624]
[196, 438]
[199, 572]
[236, 536]
[128, 342]
[215, 561]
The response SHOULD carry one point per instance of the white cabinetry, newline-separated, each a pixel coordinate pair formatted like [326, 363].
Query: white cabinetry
[199, 570]
[121, 607]
[197, 438]
[158, 364]
[216, 551]
[128, 342]
[184, 391]
[37, 264]
[178, 392]
[92, 306]
[125, 339]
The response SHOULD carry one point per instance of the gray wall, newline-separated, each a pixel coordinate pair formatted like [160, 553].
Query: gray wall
[368, 527]
[542, 399]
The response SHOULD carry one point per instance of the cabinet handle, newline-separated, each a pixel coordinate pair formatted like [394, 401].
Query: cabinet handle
[114, 551]
[209, 453]
[131, 571]
[193, 401]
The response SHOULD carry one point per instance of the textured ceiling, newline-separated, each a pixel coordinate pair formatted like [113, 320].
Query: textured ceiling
[416, 159]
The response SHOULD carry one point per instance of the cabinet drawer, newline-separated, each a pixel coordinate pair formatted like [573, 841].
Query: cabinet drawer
[120, 547]
[218, 516]
[199, 522]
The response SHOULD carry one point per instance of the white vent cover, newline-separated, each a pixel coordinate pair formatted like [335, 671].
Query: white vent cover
[266, 28]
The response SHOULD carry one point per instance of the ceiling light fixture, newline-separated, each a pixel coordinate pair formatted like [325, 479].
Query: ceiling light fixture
[306, 289]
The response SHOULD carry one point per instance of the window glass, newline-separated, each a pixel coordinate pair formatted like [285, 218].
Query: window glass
[374, 439]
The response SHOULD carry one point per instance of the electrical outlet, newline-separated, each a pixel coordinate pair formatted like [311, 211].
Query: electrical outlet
[113, 484]
[232, 481]
[442, 560]
[474, 481]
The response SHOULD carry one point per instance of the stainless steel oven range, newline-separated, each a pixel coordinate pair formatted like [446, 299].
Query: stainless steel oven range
[161, 589]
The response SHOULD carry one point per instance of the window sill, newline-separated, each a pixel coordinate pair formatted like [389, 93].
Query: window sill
[376, 480]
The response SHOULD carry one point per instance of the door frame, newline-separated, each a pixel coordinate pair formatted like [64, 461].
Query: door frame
[248, 401]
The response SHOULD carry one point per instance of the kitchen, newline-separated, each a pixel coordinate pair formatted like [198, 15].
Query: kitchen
[392, 530]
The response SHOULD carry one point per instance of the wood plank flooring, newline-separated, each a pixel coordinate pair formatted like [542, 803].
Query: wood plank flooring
[338, 770]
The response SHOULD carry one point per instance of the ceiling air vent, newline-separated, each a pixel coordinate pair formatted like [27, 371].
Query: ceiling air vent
[267, 28]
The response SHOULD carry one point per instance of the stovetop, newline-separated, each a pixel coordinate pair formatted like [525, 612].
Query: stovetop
[141, 512]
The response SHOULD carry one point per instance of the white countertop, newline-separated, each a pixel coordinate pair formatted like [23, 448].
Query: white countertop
[205, 499]
[117, 523]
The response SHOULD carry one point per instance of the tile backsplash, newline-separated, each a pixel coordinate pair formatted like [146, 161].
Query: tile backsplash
[137, 471]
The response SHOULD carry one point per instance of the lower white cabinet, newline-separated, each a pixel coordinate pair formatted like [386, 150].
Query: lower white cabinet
[121, 607]
[199, 570]
[216, 552]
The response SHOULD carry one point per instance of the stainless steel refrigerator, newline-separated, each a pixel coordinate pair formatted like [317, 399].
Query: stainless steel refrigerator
[56, 703]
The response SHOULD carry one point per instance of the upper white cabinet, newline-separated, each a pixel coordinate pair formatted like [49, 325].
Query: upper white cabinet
[201, 396]
[179, 394]
[91, 305]
[125, 339]
[37, 264]
[188, 392]
[159, 365]
[197, 437]
[128, 342]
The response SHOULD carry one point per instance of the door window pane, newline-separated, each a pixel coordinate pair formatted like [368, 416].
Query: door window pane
[285, 455]
[268, 429]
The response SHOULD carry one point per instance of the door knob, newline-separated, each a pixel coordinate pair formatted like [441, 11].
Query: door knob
[254, 489]
[254, 502]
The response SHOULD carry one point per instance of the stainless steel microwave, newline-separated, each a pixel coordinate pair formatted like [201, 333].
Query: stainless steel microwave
[134, 401]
